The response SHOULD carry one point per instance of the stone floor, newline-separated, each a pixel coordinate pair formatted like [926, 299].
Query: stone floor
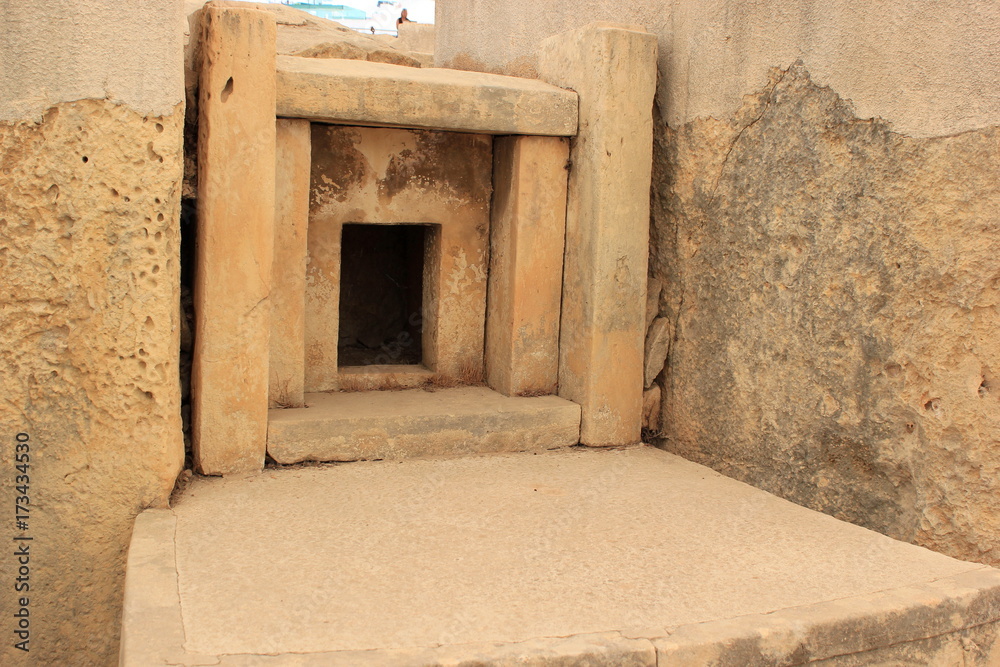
[569, 557]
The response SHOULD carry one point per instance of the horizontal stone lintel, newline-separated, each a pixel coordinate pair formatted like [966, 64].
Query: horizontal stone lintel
[357, 92]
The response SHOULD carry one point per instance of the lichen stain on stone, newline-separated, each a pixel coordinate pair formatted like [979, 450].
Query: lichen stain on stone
[442, 161]
[828, 277]
[338, 167]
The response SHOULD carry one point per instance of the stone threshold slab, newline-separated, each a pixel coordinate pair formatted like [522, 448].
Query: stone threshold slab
[352, 426]
[596, 557]
[357, 92]
[378, 377]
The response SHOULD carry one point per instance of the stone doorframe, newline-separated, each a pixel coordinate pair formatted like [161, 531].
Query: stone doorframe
[598, 89]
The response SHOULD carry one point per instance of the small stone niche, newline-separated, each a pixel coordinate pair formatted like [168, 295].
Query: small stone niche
[398, 252]
[381, 294]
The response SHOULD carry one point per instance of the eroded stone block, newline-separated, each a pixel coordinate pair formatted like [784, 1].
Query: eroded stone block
[654, 288]
[236, 159]
[527, 230]
[89, 259]
[613, 70]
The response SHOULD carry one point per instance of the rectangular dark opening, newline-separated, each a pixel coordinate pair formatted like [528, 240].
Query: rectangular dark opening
[381, 294]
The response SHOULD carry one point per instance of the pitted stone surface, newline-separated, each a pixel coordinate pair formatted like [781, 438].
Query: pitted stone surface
[90, 275]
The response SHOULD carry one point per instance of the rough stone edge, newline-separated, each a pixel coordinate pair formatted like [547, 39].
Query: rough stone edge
[531, 94]
[798, 635]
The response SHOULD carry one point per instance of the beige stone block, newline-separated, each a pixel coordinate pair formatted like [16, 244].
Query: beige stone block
[152, 627]
[387, 377]
[355, 92]
[656, 348]
[236, 158]
[384, 176]
[651, 408]
[288, 273]
[342, 426]
[418, 37]
[613, 70]
[527, 235]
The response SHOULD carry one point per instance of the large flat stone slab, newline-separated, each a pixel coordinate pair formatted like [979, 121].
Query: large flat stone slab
[354, 92]
[599, 557]
[416, 422]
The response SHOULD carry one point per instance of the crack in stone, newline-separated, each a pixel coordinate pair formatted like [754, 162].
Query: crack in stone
[739, 135]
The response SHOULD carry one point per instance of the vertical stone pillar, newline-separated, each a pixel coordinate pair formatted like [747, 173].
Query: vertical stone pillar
[527, 234]
[236, 158]
[288, 274]
[613, 70]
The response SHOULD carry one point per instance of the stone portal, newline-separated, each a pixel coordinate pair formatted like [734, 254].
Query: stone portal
[403, 200]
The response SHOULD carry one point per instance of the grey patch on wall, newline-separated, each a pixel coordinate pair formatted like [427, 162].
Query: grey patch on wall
[834, 287]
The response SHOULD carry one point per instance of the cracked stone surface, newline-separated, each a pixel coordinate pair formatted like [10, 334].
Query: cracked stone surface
[498, 551]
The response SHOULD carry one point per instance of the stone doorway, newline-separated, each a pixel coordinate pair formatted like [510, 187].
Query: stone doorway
[381, 294]
[485, 160]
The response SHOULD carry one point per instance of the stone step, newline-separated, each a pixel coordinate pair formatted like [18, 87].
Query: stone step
[351, 426]
[569, 557]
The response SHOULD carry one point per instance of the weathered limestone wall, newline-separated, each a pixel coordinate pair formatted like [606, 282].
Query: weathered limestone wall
[487, 36]
[90, 174]
[834, 289]
[929, 68]
[826, 192]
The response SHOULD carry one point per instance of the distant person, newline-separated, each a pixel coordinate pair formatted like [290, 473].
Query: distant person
[373, 30]
[402, 19]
